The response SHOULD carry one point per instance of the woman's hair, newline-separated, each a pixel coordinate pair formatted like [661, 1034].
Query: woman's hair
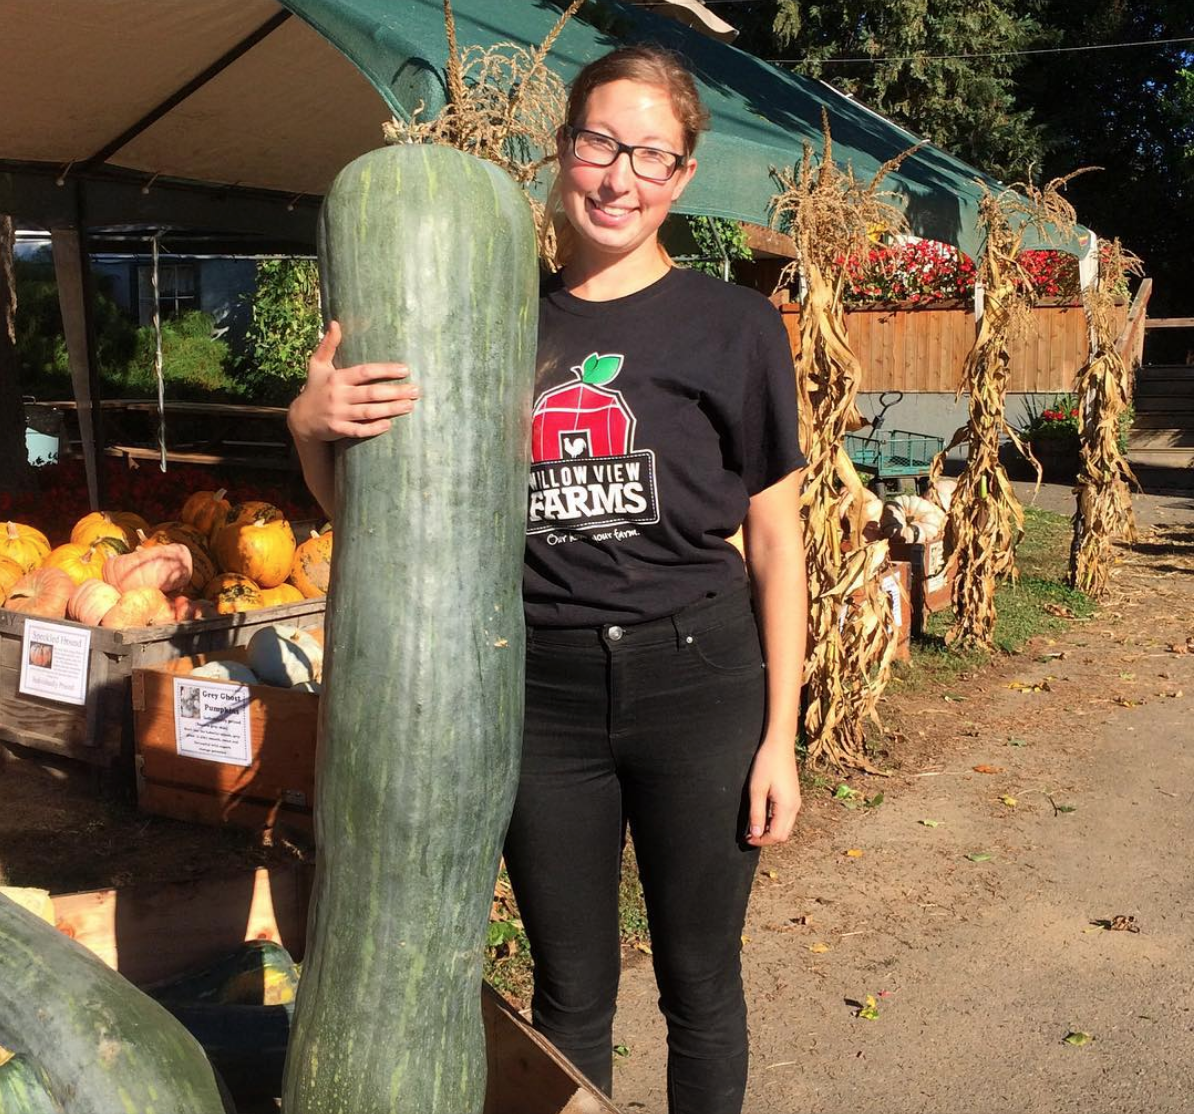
[647, 65]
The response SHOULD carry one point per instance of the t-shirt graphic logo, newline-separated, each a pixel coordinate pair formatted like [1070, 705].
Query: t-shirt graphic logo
[585, 472]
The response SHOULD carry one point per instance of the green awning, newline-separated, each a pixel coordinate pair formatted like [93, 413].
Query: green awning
[761, 115]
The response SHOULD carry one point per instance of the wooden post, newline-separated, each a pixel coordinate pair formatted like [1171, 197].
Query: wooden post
[75, 296]
[14, 467]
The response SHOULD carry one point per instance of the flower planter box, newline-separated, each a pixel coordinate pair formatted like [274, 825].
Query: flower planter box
[99, 732]
[150, 934]
[1058, 458]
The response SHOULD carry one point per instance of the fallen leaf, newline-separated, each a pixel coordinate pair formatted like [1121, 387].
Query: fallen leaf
[875, 801]
[930, 823]
[644, 948]
[985, 769]
[1126, 702]
[1127, 676]
[818, 949]
[1065, 808]
[869, 1011]
[1060, 610]
[745, 940]
[621, 1050]
[772, 874]
[1031, 686]
[845, 793]
[1009, 801]
[979, 857]
[1078, 1038]
[854, 853]
[1120, 923]
[950, 698]
[1017, 742]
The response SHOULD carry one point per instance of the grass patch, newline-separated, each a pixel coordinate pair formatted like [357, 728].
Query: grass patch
[508, 966]
[1043, 560]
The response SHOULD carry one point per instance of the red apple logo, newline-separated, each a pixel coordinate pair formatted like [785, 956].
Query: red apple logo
[583, 419]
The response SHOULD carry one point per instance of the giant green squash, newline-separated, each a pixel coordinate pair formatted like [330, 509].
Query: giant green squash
[428, 257]
[103, 1046]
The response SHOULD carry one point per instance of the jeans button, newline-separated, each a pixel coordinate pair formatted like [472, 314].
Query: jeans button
[615, 634]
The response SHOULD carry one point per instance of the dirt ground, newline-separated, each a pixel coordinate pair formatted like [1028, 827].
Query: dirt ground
[1057, 786]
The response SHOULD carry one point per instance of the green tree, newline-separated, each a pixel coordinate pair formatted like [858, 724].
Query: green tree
[913, 71]
[1129, 110]
[285, 328]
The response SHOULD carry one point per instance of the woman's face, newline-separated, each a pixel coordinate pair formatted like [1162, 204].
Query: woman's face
[614, 211]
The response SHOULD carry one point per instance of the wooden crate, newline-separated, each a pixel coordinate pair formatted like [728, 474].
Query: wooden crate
[898, 586]
[100, 732]
[150, 934]
[277, 789]
[932, 580]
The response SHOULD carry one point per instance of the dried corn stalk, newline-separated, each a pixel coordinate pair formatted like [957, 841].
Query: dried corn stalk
[852, 634]
[504, 105]
[1104, 512]
[986, 521]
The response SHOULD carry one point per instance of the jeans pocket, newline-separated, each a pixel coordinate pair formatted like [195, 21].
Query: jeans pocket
[731, 648]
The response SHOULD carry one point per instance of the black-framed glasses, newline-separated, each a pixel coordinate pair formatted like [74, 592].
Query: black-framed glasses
[649, 163]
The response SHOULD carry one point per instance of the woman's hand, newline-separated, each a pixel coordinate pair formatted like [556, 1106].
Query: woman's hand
[358, 401]
[774, 793]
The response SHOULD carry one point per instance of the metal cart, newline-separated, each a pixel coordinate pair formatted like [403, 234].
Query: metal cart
[893, 455]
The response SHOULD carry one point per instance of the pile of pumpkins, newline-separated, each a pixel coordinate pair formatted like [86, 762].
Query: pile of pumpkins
[904, 518]
[119, 571]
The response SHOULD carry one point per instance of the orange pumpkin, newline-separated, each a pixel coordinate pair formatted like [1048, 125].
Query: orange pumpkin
[90, 602]
[231, 592]
[205, 510]
[10, 573]
[165, 567]
[26, 545]
[139, 607]
[311, 568]
[108, 524]
[187, 610]
[79, 562]
[203, 568]
[283, 593]
[261, 548]
[241, 513]
[42, 592]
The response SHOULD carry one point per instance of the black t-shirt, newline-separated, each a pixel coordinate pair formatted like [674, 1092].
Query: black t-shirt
[657, 416]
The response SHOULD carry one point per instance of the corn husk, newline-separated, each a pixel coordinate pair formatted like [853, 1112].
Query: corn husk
[852, 633]
[504, 105]
[986, 520]
[1104, 514]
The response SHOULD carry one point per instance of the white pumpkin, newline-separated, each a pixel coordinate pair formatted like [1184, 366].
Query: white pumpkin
[909, 518]
[942, 491]
[234, 671]
[285, 656]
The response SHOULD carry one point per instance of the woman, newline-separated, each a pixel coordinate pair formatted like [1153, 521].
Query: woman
[664, 419]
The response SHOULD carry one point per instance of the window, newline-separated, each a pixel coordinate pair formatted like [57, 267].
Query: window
[178, 290]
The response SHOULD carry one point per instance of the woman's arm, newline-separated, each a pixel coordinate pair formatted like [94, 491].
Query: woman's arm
[357, 401]
[775, 558]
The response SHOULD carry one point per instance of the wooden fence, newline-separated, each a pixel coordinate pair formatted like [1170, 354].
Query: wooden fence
[924, 349]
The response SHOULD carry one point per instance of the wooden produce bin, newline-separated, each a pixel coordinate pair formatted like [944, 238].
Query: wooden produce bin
[150, 934]
[276, 789]
[100, 731]
[932, 582]
[897, 583]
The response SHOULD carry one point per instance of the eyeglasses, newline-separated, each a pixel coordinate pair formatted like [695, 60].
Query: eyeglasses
[649, 163]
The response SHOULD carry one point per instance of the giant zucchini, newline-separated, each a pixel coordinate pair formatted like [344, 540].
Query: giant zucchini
[427, 256]
[104, 1047]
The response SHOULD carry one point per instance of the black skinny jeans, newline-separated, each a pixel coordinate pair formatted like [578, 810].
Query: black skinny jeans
[655, 726]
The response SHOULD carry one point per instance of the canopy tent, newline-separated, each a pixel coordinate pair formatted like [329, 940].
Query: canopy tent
[256, 110]
[233, 116]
